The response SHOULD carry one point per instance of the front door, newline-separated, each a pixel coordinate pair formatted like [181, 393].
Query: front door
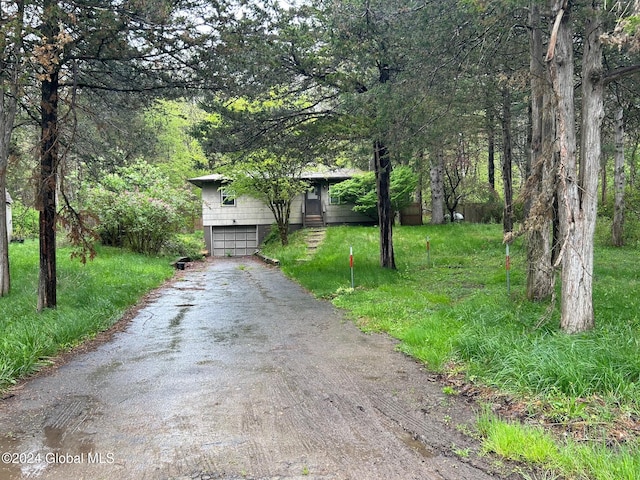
[312, 202]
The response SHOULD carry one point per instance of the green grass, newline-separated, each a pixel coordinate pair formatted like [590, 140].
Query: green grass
[452, 312]
[91, 298]
[533, 445]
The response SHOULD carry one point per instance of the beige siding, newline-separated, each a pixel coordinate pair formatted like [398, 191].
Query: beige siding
[250, 211]
[246, 211]
[339, 214]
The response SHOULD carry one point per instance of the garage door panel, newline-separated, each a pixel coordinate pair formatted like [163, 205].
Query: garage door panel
[234, 241]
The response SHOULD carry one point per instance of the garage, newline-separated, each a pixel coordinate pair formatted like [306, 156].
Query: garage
[234, 241]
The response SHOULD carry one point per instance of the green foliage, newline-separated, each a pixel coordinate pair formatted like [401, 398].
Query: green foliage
[179, 155]
[185, 245]
[533, 445]
[631, 217]
[361, 190]
[25, 221]
[268, 177]
[138, 208]
[516, 442]
[92, 297]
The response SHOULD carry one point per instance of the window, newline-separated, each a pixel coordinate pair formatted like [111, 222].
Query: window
[333, 200]
[227, 198]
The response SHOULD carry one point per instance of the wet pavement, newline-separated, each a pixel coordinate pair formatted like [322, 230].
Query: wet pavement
[233, 371]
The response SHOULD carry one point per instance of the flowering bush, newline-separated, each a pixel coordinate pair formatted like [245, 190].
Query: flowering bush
[137, 209]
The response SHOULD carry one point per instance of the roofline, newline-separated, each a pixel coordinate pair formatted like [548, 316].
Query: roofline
[339, 174]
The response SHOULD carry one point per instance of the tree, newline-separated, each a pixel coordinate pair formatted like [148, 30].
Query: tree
[274, 179]
[541, 185]
[11, 31]
[577, 190]
[507, 161]
[82, 47]
[356, 62]
[437, 188]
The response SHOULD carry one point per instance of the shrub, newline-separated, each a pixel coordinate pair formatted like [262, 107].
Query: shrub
[185, 245]
[137, 208]
[25, 221]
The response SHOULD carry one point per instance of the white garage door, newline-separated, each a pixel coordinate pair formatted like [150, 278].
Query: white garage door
[234, 241]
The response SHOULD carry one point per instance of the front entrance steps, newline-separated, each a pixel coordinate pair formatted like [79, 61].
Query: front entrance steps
[313, 221]
[313, 238]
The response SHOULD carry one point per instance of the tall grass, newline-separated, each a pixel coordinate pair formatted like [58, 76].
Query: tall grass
[453, 309]
[91, 298]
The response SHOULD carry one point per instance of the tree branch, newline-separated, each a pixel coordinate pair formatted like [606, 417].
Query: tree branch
[619, 73]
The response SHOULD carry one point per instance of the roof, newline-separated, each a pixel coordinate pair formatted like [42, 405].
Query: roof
[213, 178]
[334, 174]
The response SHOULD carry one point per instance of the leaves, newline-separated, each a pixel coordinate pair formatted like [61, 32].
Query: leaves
[361, 190]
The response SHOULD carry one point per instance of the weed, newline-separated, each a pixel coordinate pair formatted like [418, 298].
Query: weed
[461, 452]
[449, 390]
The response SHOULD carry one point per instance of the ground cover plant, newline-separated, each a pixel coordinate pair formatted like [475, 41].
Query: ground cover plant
[91, 298]
[451, 310]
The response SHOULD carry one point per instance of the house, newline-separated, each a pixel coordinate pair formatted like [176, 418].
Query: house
[9, 217]
[236, 226]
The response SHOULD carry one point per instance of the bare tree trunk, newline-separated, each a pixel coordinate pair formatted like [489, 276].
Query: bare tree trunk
[437, 189]
[385, 212]
[5, 278]
[9, 89]
[578, 192]
[491, 148]
[47, 295]
[507, 160]
[541, 181]
[617, 229]
[420, 168]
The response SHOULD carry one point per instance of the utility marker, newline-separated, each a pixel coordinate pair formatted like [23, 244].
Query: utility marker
[428, 251]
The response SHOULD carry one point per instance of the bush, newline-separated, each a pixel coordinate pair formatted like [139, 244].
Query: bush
[25, 221]
[185, 245]
[137, 208]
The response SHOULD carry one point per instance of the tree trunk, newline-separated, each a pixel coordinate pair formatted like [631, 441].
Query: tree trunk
[385, 212]
[507, 220]
[617, 229]
[5, 279]
[578, 192]
[48, 167]
[437, 189]
[491, 148]
[541, 181]
[9, 89]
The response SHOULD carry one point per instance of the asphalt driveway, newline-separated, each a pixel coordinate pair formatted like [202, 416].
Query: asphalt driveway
[233, 371]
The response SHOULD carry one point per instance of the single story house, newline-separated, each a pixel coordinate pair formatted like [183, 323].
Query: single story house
[236, 226]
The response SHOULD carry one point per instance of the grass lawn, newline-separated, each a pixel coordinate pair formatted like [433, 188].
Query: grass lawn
[577, 397]
[91, 298]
